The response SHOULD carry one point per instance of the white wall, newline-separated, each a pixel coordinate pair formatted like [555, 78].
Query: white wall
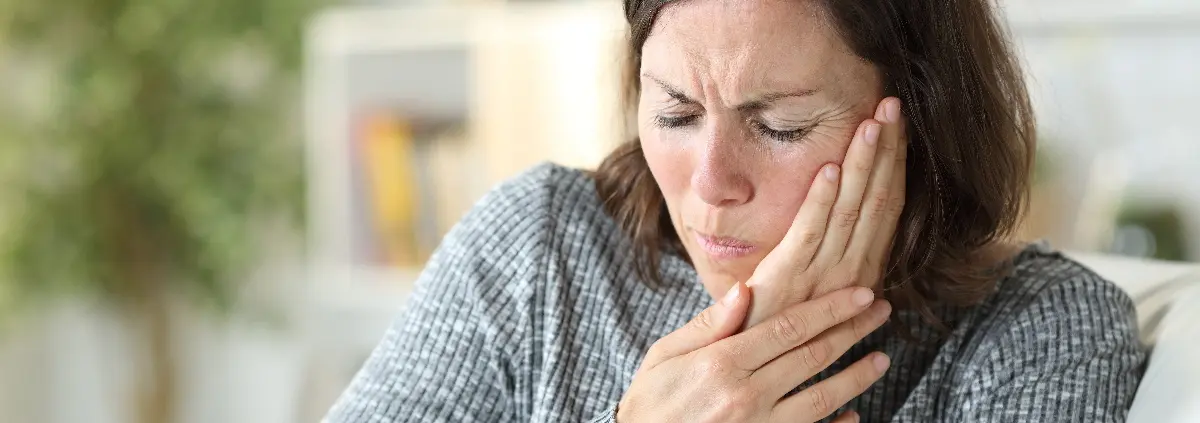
[1130, 89]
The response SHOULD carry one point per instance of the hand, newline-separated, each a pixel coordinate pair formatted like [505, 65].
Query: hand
[824, 251]
[704, 372]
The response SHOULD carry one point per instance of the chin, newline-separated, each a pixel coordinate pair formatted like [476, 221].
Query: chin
[720, 274]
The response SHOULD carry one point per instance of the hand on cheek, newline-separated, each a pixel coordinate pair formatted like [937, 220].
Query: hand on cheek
[843, 232]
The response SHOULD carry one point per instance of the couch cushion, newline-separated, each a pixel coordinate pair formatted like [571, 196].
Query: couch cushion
[1170, 389]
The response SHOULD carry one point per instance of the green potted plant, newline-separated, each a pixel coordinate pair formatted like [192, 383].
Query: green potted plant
[164, 138]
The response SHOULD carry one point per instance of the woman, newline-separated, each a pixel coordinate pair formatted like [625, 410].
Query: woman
[811, 225]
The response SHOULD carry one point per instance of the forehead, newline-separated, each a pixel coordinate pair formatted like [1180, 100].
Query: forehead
[750, 43]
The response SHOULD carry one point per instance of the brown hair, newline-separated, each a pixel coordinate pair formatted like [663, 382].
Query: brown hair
[971, 141]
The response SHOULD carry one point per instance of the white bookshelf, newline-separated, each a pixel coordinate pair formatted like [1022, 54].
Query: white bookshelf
[532, 82]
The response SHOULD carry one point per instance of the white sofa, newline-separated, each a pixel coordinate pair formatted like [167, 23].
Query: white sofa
[1168, 301]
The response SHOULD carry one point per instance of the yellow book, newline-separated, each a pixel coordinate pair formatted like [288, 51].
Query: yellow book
[392, 186]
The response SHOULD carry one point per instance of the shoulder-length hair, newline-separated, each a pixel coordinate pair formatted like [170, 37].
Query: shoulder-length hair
[971, 144]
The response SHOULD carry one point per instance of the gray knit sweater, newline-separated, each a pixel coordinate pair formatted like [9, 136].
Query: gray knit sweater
[531, 311]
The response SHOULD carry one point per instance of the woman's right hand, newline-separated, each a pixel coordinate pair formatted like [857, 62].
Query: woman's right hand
[704, 372]
[842, 234]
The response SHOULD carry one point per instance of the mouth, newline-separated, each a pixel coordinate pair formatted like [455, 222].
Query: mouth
[720, 247]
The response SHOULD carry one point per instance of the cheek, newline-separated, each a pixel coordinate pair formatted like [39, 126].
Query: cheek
[786, 180]
[668, 162]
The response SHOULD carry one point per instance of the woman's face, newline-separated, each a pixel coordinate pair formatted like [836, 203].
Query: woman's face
[742, 102]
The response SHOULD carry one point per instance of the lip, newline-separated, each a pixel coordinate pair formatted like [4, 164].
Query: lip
[719, 247]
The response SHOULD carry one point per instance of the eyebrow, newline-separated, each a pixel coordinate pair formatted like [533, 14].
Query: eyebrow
[757, 104]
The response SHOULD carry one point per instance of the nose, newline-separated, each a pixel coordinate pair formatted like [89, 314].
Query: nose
[719, 178]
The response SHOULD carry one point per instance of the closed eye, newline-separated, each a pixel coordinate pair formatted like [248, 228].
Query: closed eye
[784, 135]
[674, 121]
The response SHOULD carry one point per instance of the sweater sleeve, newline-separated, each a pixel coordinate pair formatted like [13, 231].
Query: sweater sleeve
[1071, 354]
[450, 356]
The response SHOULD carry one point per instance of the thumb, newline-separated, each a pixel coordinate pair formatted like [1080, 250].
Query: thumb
[711, 325]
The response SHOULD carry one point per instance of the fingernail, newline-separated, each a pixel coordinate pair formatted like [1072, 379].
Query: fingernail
[892, 110]
[831, 172]
[863, 296]
[731, 297]
[881, 362]
[872, 134]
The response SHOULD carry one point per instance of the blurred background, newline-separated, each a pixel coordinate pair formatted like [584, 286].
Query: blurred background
[210, 211]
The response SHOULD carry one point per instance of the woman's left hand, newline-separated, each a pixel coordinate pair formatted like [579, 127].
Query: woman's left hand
[842, 234]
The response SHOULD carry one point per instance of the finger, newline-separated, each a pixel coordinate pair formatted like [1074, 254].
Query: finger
[794, 254]
[856, 170]
[796, 325]
[796, 366]
[847, 417]
[711, 325]
[822, 399]
[803, 238]
[898, 195]
[878, 194]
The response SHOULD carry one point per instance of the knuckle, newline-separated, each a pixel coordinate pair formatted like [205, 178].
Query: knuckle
[826, 200]
[854, 280]
[819, 400]
[789, 328]
[888, 146]
[704, 320]
[847, 218]
[864, 166]
[734, 406]
[745, 398]
[830, 310]
[815, 355]
[810, 238]
[713, 366]
[879, 204]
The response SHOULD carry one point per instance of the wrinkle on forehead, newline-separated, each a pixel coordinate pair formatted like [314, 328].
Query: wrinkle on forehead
[725, 51]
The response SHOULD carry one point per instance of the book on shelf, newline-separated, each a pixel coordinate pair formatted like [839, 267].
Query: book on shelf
[415, 179]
